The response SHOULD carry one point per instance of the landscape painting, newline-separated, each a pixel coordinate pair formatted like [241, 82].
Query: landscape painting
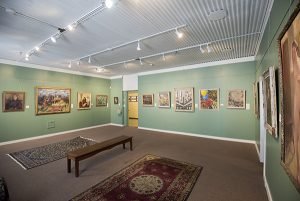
[13, 101]
[236, 99]
[209, 99]
[164, 99]
[52, 100]
[289, 43]
[148, 100]
[184, 99]
[84, 101]
[101, 100]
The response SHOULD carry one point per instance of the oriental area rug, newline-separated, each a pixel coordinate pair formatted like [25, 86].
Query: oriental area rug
[37, 156]
[150, 178]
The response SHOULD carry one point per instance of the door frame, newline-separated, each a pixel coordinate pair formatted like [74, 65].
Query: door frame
[263, 132]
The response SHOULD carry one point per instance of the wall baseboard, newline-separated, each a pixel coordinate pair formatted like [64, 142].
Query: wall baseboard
[120, 125]
[52, 134]
[200, 135]
[268, 189]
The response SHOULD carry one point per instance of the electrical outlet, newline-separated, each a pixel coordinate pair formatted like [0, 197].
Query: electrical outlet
[51, 124]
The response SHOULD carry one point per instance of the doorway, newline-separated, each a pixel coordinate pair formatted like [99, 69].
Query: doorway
[133, 109]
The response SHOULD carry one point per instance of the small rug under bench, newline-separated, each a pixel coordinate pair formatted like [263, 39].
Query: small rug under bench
[37, 156]
[150, 178]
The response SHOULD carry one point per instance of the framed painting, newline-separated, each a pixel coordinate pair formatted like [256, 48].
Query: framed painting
[164, 99]
[13, 101]
[289, 53]
[236, 99]
[256, 98]
[116, 100]
[269, 89]
[84, 101]
[147, 99]
[101, 100]
[209, 99]
[184, 99]
[132, 99]
[52, 100]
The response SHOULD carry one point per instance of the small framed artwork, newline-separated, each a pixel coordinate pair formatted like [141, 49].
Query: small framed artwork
[209, 99]
[13, 101]
[147, 99]
[236, 99]
[269, 88]
[84, 101]
[289, 73]
[52, 100]
[101, 100]
[116, 100]
[132, 99]
[164, 99]
[256, 98]
[184, 99]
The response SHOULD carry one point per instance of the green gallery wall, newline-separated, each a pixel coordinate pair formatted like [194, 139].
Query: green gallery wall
[117, 109]
[19, 125]
[280, 185]
[229, 123]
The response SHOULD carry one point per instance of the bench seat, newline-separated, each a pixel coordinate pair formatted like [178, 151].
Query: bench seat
[86, 152]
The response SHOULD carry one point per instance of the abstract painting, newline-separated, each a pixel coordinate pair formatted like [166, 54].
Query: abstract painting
[236, 99]
[289, 43]
[209, 99]
[101, 100]
[164, 99]
[13, 101]
[52, 100]
[84, 101]
[184, 99]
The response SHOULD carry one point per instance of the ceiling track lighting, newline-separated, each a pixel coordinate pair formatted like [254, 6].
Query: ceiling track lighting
[110, 3]
[141, 62]
[89, 61]
[70, 64]
[163, 57]
[178, 33]
[201, 49]
[53, 39]
[132, 42]
[138, 48]
[37, 48]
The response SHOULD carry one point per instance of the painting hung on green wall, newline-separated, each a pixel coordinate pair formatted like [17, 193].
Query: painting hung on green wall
[236, 99]
[13, 101]
[209, 99]
[184, 99]
[148, 99]
[269, 89]
[52, 100]
[101, 100]
[289, 43]
[84, 101]
[164, 99]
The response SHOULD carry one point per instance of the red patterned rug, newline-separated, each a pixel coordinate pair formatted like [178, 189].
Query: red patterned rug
[149, 178]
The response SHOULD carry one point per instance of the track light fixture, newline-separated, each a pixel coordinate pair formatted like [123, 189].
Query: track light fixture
[141, 62]
[89, 61]
[37, 48]
[209, 50]
[138, 48]
[53, 39]
[201, 49]
[70, 64]
[164, 58]
[179, 34]
[27, 58]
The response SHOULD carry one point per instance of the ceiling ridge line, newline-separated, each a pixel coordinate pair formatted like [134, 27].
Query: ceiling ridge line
[130, 42]
[177, 50]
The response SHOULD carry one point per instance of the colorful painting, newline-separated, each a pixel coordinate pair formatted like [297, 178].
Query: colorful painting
[101, 100]
[270, 101]
[164, 99]
[148, 100]
[13, 101]
[116, 100]
[289, 43]
[52, 100]
[236, 99]
[84, 101]
[209, 99]
[184, 99]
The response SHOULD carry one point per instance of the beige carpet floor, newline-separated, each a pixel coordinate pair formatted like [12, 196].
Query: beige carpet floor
[231, 170]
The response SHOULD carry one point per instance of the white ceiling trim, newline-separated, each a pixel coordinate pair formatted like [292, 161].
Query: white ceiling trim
[203, 65]
[264, 25]
[35, 66]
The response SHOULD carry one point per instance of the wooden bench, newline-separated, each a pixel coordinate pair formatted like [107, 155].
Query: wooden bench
[86, 152]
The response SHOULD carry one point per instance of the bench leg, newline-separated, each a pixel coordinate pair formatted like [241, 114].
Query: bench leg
[131, 144]
[69, 165]
[76, 168]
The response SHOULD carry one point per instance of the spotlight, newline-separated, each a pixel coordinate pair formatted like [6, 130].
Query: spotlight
[27, 58]
[138, 46]
[78, 62]
[164, 58]
[208, 48]
[201, 49]
[70, 65]
[141, 62]
[27, 55]
[110, 3]
[89, 61]
[179, 34]
[37, 48]
[70, 27]
[53, 39]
